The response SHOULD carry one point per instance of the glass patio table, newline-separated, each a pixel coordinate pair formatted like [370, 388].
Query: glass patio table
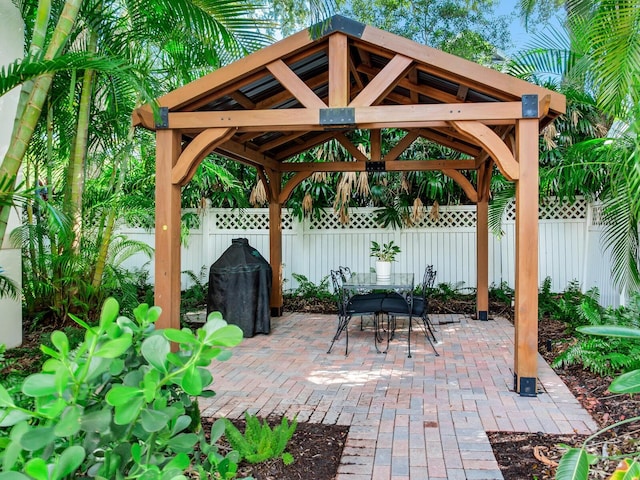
[401, 283]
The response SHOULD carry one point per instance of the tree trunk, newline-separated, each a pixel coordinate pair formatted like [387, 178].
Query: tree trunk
[33, 108]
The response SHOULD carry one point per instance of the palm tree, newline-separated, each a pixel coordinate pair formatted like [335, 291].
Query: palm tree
[598, 59]
[86, 127]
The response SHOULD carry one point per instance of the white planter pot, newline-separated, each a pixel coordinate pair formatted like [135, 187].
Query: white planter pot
[383, 270]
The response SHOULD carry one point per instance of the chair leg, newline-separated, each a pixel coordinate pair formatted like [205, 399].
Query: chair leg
[427, 321]
[343, 323]
[424, 327]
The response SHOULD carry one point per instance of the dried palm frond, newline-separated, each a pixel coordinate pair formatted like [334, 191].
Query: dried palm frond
[362, 186]
[258, 194]
[362, 148]
[307, 204]
[417, 212]
[549, 134]
[343, 214]
[319, 177]
[345, 187]
[434, 213]
[404, 183]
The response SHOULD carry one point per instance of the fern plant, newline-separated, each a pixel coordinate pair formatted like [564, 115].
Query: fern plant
[604, 355]
[259, 442]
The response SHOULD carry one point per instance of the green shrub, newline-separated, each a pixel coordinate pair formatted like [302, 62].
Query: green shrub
[503, 293]
[307, 289]
[604, 355]
[260, 442]
[575, 463]
[119, 405]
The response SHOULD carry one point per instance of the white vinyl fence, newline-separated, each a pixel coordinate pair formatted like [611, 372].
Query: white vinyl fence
[569, 245]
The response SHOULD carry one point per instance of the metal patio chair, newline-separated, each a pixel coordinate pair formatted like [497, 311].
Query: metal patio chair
[396, 305]
[350, 305]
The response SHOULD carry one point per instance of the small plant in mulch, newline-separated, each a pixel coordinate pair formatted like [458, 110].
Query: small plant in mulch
[260, 442]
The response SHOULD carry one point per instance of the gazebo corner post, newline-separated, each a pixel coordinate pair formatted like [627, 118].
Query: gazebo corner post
[167, 229]
[526, 297]
[482, 259]
[275, 242]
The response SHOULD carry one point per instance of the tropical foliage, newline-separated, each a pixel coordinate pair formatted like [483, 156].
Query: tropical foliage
[86, 66]
[120, 404]
[598, 60]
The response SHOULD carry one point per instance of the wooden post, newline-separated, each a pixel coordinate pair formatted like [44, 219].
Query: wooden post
[338, 70]
[275, 243]
[482, 258]
[526, 299]
[167, 264]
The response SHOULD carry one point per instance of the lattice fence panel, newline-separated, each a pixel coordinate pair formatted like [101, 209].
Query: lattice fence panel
[553, 210]
[597, 216]
[446, 218]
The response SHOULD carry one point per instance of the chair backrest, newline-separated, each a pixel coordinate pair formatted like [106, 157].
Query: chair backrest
[428, 279]
[337, 280]
[345, 273]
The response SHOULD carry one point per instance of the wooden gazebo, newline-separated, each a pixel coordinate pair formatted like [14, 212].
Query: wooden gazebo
[308, 89]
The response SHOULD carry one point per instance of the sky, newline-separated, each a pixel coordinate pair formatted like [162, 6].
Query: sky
[519, 36]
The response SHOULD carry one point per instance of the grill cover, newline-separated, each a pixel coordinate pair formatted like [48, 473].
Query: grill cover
[240, 288]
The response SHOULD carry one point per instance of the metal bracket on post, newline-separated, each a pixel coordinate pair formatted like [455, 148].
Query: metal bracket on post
[162, 120]
[528, 387]
[483, 315]
[530, 106]
[337, 117]
[375, 167]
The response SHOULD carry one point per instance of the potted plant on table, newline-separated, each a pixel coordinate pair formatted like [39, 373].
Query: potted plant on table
[385, 254]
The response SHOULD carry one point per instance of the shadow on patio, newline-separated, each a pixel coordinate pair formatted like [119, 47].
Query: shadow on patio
[420, 417]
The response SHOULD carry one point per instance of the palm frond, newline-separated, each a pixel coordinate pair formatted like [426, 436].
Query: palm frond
[8, 288]
[30, 67]
[499, 203]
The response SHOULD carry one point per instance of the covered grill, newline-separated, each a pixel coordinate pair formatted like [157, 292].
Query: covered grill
[240, 288]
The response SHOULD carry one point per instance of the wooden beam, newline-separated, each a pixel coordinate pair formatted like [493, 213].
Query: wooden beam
[196, 151]
[275, 242]
[295, 85]
[482, 259]
[354, 71]
[412, 78]
[449, 140]
[242, 99]
[338, 70]
[350, 147]
[463, 182]
[383, 82]
[285, 138]
[249, 154]
[526, 297]
[414, 87]
[292, 183]
[390, 166]
[459, 70]
[385, 115]
[402, 145]
[375, 138]
[314, 141]
[167, 230]
[285, 96]
[493, 144]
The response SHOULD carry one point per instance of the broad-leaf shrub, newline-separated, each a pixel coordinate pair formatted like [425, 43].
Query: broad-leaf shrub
[119, 405]
[575, 463]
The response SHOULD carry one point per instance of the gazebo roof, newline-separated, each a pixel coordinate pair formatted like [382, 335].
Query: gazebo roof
[303, 91]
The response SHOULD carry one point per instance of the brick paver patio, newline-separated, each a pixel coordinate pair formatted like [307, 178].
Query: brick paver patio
[424, 417]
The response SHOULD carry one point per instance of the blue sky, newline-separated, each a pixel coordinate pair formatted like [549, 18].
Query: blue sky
[519, 37]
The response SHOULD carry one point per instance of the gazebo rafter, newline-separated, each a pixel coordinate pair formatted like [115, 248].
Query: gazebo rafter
[306, 90]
